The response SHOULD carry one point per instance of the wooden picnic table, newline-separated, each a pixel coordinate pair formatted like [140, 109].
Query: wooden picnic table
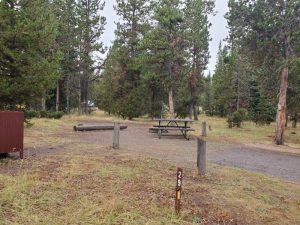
[167, 124]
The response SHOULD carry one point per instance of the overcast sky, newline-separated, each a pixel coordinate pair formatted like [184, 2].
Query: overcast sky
[218, 29]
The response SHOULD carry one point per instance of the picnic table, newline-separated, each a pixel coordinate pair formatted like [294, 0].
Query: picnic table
[167, 124]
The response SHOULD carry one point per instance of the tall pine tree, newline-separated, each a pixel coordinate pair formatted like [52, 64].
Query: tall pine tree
[197, 39]
[29, 56]
[91, 26]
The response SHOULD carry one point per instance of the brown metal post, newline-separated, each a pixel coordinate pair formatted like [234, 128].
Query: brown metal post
[178, 190]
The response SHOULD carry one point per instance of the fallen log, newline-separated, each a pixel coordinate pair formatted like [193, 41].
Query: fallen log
[82, 127]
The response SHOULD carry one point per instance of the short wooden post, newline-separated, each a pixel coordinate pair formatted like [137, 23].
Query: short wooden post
[204, 129]
[116, 138]
[201, 156]
[21, 153]
[178, 190]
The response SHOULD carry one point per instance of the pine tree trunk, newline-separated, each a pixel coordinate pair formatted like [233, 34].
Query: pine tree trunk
[171, 103]
[43, 106]
[281, 109]
[287, 118]
[238, 102]
[68, 95]
[191, 111]
[79, 97]
[57, 97]
[196, 112]
[85, 95]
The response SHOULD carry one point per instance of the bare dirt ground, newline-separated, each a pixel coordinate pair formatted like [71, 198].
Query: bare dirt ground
[137, 140]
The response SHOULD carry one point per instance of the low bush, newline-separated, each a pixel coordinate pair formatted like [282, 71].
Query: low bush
[244, 113]
[55, 115]
[29, 114]
[44, 114]
[229, 121]
[236, 119]
[51, 114]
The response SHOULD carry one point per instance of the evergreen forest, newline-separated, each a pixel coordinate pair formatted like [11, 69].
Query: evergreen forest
[52, 58]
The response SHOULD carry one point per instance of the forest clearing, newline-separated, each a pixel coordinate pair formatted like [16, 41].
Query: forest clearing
[107, 101]
[63, 169]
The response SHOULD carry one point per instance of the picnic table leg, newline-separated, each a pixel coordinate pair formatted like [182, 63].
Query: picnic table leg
[159, 131]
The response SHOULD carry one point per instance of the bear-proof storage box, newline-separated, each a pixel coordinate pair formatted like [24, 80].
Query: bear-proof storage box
[11, 132]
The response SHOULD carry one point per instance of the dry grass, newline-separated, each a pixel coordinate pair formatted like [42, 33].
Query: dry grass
[249, 133]
[110, 188]
[92, 184]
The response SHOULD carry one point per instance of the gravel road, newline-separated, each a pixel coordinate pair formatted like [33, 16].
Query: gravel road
[136, 139]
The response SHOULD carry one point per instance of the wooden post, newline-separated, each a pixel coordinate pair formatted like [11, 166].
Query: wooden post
[204, 129]
[116, 137]
[201, 156]
[178, 190]
[21, 154]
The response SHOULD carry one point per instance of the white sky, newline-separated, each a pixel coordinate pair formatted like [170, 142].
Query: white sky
[218, 30]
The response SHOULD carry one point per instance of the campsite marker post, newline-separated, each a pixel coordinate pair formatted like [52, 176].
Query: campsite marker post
[178, 190]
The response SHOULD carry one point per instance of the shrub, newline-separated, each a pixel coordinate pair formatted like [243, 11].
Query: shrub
[29, 114]
[229, 121]
[244, 113]
[294, 120]
[52, 115]
[55, 115]
[44, 114]
[237, 119]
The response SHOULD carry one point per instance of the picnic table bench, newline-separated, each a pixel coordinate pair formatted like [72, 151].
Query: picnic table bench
[172, 124]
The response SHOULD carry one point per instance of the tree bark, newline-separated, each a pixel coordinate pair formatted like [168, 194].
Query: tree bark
[68, 95]
[193, 104]
[238, 102]
[79, 97]
[281, 109]
[196, 112]
[57, 97]
[43, 106]
[171, 102]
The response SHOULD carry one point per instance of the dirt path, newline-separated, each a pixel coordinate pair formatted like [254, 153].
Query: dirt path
[136, 139]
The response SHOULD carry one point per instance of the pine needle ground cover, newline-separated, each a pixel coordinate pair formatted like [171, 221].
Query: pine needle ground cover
[92, 184]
